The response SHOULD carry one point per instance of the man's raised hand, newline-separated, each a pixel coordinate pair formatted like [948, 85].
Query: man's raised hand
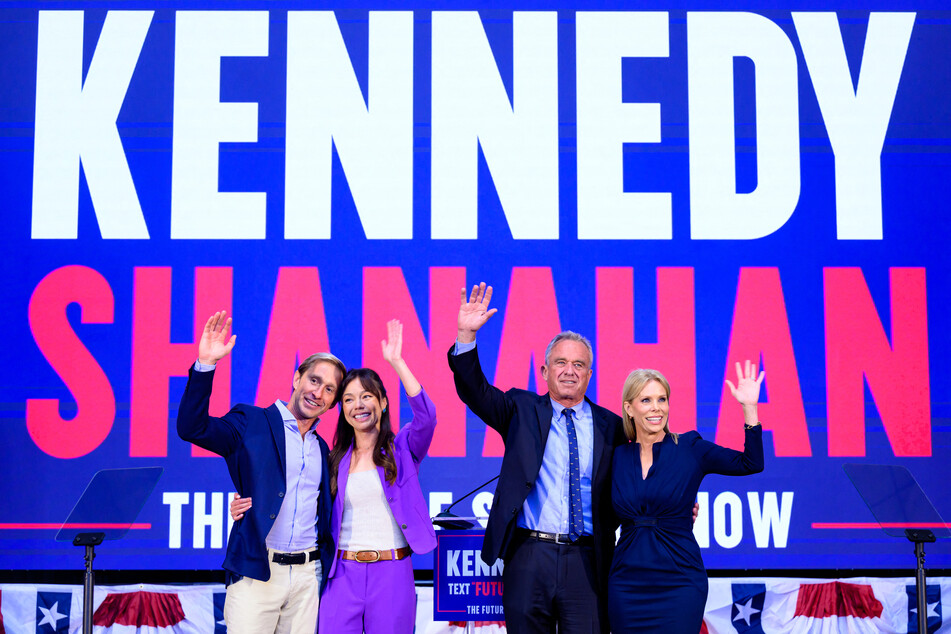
[474, 312]
[216, 339]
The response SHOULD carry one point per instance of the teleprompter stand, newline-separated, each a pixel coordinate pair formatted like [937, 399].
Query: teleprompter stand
[106, 510]
[902, 510]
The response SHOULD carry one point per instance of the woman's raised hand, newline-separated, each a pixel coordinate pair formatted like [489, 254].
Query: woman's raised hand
[392, 346]
[746, 390]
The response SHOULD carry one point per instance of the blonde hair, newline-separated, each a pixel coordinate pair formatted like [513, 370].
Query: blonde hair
[636, 381]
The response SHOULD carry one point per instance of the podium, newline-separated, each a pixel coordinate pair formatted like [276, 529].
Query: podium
[106, 510]
[902, 509]
[464, 587]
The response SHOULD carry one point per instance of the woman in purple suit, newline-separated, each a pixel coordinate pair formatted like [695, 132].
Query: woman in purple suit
[379, 514]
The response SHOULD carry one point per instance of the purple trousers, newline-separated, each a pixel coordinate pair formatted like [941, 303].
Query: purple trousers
[376, 598]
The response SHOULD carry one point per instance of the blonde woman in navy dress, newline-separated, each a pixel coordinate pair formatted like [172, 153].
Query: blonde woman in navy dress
[658, 582]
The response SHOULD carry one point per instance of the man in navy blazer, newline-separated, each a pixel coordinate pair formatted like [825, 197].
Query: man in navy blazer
[551, 521]
[277, 552]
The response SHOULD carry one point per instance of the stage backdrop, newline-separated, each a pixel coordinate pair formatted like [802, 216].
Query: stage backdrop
[689, 184]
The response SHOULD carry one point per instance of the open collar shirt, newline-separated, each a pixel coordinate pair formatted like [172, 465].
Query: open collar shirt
[295, 528]
[546, 507]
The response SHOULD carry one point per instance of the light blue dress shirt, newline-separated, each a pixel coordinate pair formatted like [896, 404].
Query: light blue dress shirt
[295, 527]
[546, 507]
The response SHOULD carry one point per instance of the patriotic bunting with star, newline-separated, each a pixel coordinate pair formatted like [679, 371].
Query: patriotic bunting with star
[823, 606]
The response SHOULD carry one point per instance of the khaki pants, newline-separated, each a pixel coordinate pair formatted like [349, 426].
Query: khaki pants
[285, 604]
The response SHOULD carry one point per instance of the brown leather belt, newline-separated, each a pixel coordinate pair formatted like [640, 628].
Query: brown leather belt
[370, 556]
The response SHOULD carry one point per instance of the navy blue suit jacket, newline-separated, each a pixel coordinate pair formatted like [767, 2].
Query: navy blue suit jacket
[251, 440]
[523, 419]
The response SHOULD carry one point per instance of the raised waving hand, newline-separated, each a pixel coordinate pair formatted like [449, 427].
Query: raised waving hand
[474, 312]
[746, 390]
[392, 348]
[216, 339]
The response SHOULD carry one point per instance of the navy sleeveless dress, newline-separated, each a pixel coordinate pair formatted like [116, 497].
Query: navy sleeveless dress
[658, 582]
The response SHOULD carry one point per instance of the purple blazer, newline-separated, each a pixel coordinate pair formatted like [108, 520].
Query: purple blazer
[405, 495]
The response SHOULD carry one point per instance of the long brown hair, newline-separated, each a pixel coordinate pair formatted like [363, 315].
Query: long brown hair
[344, 436]
[636, 381]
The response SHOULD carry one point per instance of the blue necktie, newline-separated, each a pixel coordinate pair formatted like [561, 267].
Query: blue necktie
[575, 516]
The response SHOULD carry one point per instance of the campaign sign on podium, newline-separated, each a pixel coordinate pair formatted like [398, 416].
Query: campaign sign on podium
[465, 588]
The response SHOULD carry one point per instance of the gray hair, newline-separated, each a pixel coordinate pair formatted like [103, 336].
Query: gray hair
[568, 335]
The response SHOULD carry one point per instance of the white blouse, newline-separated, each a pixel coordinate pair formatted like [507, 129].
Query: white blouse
[368, 522]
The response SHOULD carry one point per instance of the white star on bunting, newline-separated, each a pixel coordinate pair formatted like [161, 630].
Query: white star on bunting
[932, 610]
[745, 611]
[51, 616]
